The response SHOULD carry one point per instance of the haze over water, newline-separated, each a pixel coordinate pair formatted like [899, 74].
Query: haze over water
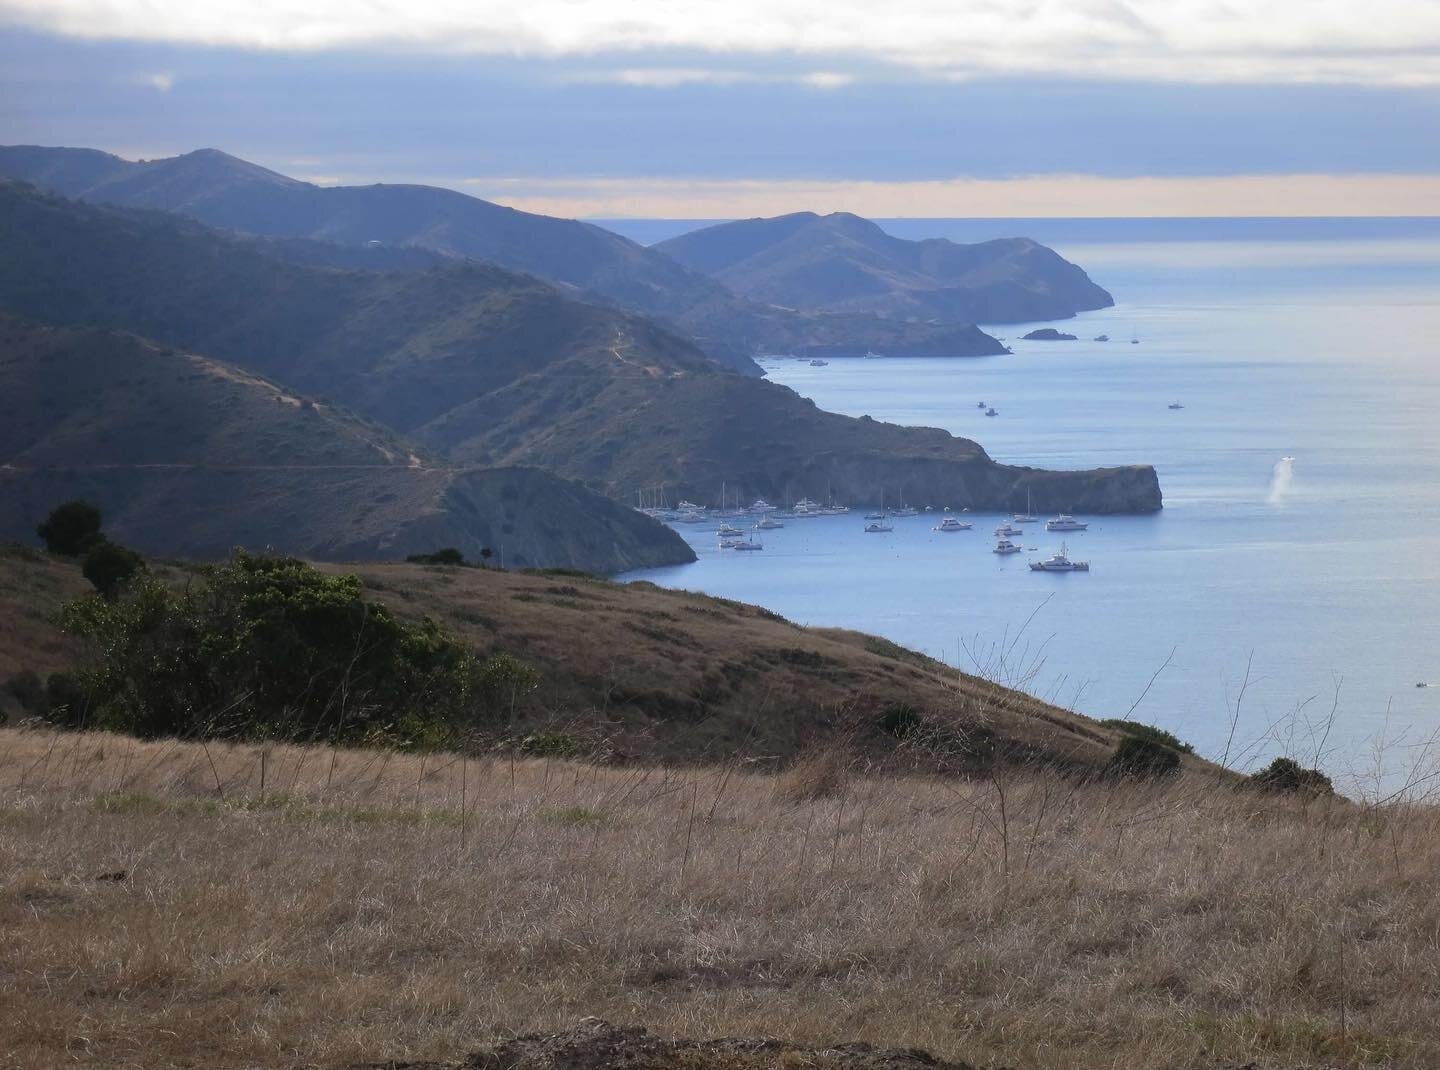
[1323, 346]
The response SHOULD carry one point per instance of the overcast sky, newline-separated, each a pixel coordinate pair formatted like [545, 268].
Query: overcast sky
[691, 109]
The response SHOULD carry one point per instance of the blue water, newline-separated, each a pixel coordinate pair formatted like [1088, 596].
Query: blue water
[1326, 585]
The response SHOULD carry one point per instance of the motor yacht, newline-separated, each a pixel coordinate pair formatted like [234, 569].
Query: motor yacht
[877, 526]
[951, 523]
[747, 544]
[1059, 562]
[728, 531]
[1005, 546]
[1066, 522]
[767, 523]
[1007, 531]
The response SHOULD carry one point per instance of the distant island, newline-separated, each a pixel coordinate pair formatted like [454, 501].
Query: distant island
[1048, 334]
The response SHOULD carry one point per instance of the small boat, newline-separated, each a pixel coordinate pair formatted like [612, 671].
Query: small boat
[875, 516]
[991, 412]
[689, 518]
[1102, 338]
[870, 354]
[1134, 341]
[1005, 531]
[767, 523]
[746, 544]
[950, 523]
[980, 404]
[877, 526]
[1175, 405]
[906, 510]
[818, 363]
[728, 531]
[1059, 562]
[1066, 522]
[1005, 546]
[1422, 684]
[760, 505]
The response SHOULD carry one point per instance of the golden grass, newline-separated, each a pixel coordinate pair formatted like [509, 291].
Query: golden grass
[366, 906]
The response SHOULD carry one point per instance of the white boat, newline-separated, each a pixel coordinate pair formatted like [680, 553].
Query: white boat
[805, 507]
[1005, 546]
[950, 523]
[1102, 338]
[1059, 562]
[818, 363]
[1175, 405]
[760, 505]
[1066, 522]
[728, 531]
[689, 518]
[1026, 517]
[877, 526]
[875, 516]
[767, 523]
[1006, 531]
[747, 544]
[906, 510]
[688, 507]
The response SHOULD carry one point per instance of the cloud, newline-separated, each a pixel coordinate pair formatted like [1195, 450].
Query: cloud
[670, 77]
[1036, 196]
[1383, 42]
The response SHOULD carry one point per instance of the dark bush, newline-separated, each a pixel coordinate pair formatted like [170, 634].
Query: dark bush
[28, 689]
[109, 566]
[1148, 731]
[269, 647]
[1137, 756]
[900, 720]
[70, 528]
[1286, 774]
[67, 700]
[448, 556]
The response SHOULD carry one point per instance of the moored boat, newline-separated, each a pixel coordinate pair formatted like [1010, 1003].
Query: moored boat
[951, 523]
[1060, 562]
[1066, 522]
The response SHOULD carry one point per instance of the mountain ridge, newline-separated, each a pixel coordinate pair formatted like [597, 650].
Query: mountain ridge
[842, 263]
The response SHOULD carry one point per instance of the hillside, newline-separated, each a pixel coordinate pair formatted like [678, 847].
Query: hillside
[488, 367]
[639, 672]
[190, 456]
[223, 191]
[840, 263]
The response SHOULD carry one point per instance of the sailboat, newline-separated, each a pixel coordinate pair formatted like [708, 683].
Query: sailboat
[1026, 517]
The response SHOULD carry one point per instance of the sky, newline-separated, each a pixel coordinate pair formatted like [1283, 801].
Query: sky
[691, 109]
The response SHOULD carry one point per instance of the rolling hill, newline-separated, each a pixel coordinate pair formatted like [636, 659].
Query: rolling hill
[840, 263]
[189, 456]
[491, 368]
[223, 191]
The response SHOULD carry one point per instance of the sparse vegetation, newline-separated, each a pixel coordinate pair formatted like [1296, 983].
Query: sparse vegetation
[448, 556]
[237, 905]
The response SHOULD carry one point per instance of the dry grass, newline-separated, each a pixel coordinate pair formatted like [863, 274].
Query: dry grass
[367, 905]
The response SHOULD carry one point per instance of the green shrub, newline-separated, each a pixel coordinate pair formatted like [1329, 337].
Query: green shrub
[1286, 774]
[1138, 756]
[269, 647]
[109, 566]
[900, 720]
[1148, 731]
[70, 528]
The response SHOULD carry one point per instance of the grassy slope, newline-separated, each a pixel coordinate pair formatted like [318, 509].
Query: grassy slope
[640, 672]
[190, 456]
[162, 907]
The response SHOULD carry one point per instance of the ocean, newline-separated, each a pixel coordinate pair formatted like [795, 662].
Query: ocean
[1273, 607]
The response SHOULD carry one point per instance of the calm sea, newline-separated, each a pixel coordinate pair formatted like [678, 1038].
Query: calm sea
[1267, 593]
